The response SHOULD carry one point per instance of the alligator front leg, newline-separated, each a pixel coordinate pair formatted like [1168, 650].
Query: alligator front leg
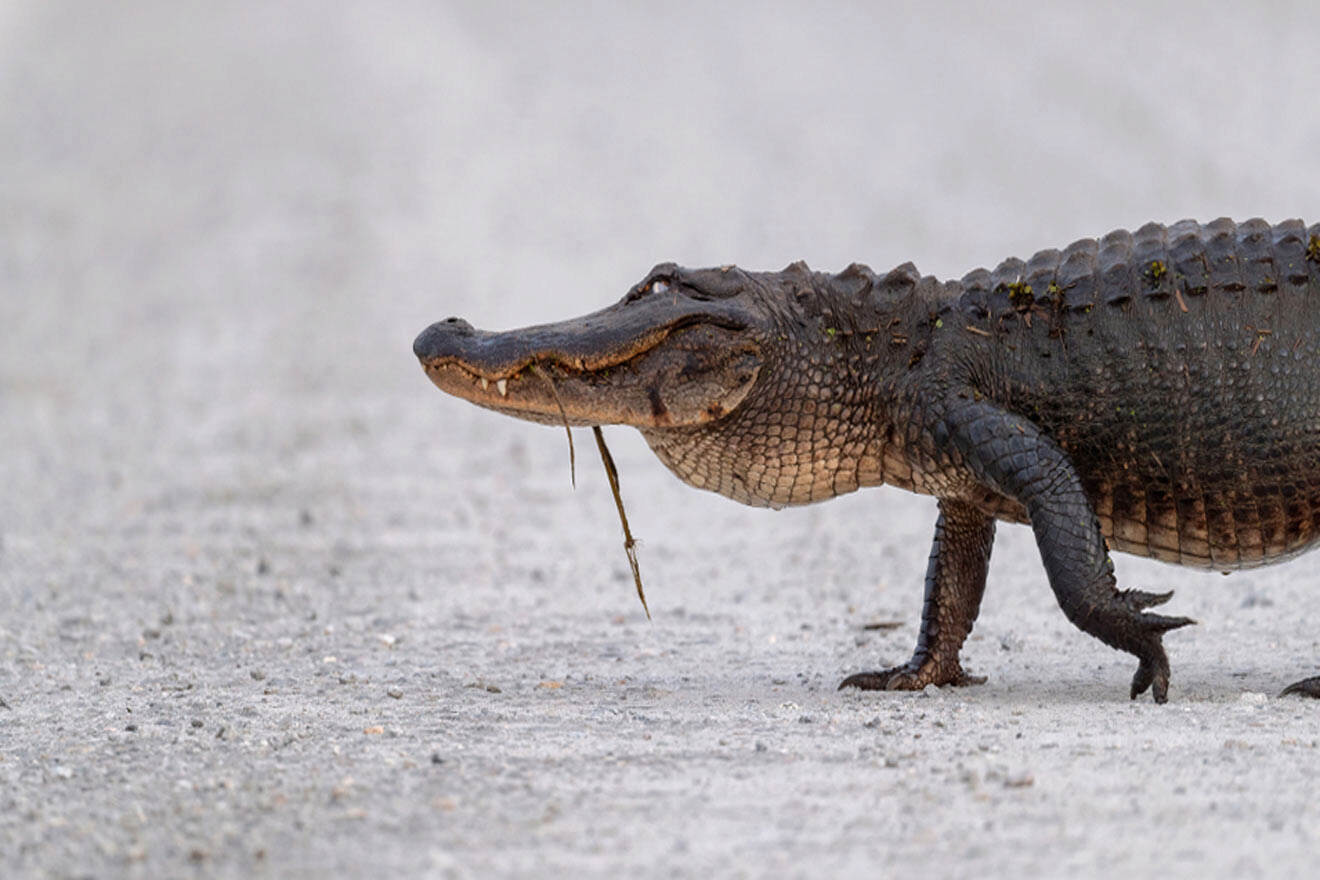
[1010, 455]
[955, 582]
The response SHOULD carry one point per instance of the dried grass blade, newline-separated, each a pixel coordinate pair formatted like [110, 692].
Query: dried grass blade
[629, 545]
[572, 455]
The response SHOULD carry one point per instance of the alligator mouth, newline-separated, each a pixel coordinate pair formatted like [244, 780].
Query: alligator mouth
[603, 368]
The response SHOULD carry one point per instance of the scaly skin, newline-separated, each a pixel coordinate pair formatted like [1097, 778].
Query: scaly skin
[1157, 392]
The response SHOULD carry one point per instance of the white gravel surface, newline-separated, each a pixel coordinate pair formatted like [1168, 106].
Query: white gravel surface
[271, 606]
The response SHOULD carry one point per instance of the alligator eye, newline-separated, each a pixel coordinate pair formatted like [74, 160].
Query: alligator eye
[646, 289]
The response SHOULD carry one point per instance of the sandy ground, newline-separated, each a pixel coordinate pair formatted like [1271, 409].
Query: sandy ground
[271, 606]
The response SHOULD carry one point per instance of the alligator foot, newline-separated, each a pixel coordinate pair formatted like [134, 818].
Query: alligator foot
[955, 581]
[1307, 687]
[911, 676]
[1142, 634]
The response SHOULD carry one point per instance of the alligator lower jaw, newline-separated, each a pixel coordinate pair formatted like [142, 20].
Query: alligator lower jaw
[533, 393]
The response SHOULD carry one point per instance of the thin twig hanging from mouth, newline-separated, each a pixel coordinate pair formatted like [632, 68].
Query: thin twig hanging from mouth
[611, 472]
[554, 392]
[629, 545]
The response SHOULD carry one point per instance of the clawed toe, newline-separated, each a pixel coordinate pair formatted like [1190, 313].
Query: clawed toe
[1307, 687]
[1153, 673]
[867, 681]
[1142, 599]
[910, 677]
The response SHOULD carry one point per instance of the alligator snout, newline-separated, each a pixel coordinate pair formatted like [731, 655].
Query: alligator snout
[441, 338]
[598, 341]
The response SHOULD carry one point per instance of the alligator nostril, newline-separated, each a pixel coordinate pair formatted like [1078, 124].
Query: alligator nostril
[435, 340]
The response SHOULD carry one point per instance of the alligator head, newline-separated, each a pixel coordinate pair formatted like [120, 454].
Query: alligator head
[766, 387]
[684, 347]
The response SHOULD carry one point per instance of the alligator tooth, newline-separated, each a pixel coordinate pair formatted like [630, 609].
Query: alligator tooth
[484, 383]
[502, 386]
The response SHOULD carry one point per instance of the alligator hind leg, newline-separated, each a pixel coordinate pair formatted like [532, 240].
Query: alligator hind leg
[955, 581]
[1307, 687]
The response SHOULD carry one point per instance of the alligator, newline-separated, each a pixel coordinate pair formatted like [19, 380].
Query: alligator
[1155, 392]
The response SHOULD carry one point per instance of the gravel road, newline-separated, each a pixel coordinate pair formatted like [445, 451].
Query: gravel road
[271, 606]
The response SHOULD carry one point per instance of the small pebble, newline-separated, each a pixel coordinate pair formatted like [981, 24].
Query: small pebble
[257, 675]
[396, 693]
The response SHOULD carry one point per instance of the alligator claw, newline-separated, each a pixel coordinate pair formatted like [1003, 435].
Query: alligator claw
[1152, 671]
[1142, 599]
[911, 677]
[1307, 687]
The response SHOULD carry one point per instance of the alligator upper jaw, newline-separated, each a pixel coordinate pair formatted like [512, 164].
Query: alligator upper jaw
[608, 367]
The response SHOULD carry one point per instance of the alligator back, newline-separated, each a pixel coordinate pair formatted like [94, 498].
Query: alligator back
[1179, 367]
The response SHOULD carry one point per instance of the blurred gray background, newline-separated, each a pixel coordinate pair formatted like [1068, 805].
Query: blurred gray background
[272, 606]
